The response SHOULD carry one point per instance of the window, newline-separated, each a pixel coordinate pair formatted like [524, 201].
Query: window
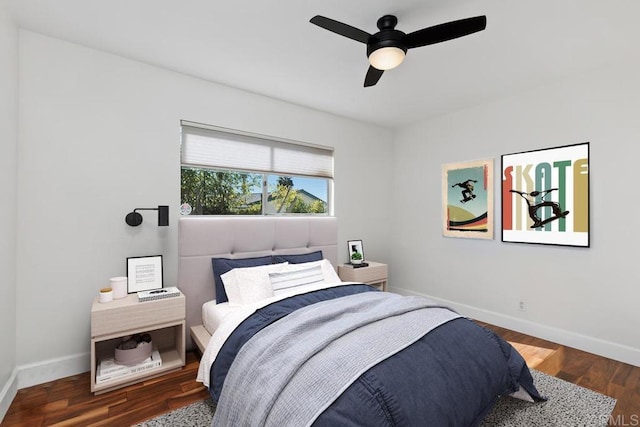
[235, 173]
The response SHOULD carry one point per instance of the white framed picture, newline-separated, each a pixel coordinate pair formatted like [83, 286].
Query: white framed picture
[355, 251]
[144, 273]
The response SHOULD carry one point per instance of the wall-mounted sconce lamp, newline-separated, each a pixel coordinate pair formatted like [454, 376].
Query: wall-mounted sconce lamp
[134, 218]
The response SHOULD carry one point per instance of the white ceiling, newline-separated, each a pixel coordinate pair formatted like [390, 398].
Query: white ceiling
[270, 48]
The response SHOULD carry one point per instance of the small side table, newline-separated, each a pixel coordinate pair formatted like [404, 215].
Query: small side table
[163, 319]
[375, 274]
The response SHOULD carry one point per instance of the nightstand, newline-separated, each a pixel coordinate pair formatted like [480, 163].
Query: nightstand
[163, 319]
[375, 274]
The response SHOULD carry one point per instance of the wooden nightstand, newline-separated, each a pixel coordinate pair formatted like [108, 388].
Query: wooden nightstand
[375, 274]
[163, 319]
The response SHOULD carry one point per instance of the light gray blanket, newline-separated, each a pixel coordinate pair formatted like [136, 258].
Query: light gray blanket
[292, 370]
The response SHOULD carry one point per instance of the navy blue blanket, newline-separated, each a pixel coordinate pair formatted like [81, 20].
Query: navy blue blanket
[452, 376]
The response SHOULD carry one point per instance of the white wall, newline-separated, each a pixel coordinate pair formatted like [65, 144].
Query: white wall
[586, 298]
[99, 136]
[8, 176]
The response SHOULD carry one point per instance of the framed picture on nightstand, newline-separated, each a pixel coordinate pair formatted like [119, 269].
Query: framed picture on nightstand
[144, 273]
[355, 251]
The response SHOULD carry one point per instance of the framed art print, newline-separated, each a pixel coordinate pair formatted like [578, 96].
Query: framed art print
[144, 273]
[467, 199]
[356, 251]
[545, 196]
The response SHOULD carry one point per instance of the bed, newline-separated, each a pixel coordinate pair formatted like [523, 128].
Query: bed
[285, 342]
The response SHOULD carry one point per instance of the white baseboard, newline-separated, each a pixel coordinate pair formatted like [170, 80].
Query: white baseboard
[52, 369]
[7, 394]
[41, 372]
[586, 343]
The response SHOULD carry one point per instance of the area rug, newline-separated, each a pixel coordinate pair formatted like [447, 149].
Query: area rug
[568, 405]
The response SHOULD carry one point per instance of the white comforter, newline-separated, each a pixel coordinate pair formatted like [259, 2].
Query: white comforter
[235, 316]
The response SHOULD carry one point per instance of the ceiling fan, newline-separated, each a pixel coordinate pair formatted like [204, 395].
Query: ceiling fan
[386, 49]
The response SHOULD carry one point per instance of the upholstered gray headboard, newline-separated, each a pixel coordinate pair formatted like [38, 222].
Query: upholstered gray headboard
[201, 238]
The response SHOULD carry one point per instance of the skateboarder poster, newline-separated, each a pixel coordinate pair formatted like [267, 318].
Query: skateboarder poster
[467, 193]
[545, 196]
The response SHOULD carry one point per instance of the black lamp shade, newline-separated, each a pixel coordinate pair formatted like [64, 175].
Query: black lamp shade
[134, 219]
[163, 215]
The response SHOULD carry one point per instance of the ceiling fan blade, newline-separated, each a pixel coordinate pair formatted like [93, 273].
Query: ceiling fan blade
[340, 28]
[373, 75]
[446, 31]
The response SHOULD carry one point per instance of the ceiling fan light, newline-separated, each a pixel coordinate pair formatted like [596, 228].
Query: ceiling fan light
[386, 58]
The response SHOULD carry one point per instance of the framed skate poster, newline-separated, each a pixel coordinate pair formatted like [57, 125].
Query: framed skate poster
[545, 196]
[467, 199]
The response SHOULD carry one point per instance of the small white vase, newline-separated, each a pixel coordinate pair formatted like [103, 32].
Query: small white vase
[119, 286]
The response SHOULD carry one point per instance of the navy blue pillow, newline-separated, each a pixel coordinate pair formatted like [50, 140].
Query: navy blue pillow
[298, 259]
[223, 265]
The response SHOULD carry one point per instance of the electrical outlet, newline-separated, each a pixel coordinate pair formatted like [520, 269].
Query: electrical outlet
[521, 305]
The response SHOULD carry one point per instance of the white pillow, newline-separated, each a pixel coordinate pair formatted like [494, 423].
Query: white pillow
[249, 284]
[328, 272]
[284, 281]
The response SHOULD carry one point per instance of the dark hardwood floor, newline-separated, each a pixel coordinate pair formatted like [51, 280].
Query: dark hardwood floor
[68, 401]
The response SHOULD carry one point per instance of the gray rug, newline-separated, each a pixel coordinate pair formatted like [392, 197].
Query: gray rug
[568, 405]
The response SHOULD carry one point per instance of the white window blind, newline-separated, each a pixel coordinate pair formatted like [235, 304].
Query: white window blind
[222, 149]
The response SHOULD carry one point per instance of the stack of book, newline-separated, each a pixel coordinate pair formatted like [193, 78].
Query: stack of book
[362, 264]
[109, 370]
